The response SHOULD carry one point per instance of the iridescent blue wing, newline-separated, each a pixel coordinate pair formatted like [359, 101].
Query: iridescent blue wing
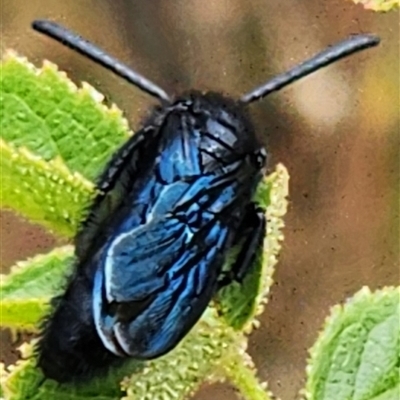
[136, 263]
[158, 279]
[159, 307]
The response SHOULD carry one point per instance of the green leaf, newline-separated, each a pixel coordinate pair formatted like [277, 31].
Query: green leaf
[27, 289]
[44, 192]
[24, 381]
[357, 355]
[241, 303]
[379, 5]
[52, 133]
[42, 110]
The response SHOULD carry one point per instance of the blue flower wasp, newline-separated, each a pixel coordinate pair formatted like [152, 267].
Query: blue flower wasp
[173, 200]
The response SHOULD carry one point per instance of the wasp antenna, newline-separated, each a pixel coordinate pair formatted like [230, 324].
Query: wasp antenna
[322, 59]
[82, 46]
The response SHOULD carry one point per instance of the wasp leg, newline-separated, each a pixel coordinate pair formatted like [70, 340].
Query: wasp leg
[250, 237]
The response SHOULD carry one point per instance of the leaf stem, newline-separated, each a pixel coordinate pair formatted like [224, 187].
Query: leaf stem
[238, 369]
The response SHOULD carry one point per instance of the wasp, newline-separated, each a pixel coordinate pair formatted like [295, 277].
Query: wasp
[172, 202]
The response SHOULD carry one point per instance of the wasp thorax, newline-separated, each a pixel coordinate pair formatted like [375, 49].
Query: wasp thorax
[218, 126]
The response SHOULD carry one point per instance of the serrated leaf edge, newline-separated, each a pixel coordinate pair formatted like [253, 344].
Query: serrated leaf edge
[85, 89]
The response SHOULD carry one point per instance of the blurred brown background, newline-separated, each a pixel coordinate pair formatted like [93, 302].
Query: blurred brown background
[337, 132]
